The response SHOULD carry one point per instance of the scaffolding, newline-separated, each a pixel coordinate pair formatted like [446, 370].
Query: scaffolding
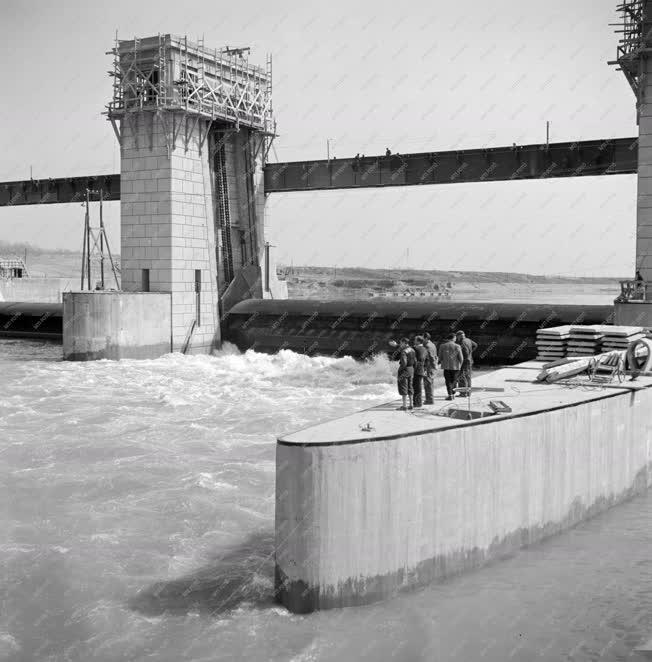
[170, 73]
[632, 42]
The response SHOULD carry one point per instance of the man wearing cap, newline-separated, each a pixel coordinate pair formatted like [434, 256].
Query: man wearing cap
[468, 346]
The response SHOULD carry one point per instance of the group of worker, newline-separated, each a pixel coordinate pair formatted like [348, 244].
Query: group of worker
[420, 358]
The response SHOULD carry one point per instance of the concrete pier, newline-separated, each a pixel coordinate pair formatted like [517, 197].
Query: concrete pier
[361, 515]
[116, 325]
[167, 225]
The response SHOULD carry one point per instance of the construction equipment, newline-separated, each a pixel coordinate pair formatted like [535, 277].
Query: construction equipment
[604, 369]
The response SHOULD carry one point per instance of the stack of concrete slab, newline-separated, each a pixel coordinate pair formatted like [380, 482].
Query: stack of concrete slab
[585, 340]
[552, 342]
[620, 337]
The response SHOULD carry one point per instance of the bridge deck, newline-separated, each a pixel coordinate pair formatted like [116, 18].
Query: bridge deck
[617, 156]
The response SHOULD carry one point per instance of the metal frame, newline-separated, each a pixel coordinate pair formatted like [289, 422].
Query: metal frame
[632, 290]
[168, 73]
[94, 242]
[632, 42]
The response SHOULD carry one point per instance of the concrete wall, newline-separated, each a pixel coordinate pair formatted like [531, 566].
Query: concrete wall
[116, 325]
[167, 220]
[42, 290]
[359, 522]
[633, 313]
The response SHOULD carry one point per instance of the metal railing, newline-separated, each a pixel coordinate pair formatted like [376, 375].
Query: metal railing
[632, 290]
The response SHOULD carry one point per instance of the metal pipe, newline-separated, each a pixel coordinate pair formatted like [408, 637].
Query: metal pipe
[101, 242]
[267, 266]
[84, 248]
[88, 238]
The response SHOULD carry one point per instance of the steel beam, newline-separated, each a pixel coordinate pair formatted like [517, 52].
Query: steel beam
[570, 159]
[53, 191]
[617, 156]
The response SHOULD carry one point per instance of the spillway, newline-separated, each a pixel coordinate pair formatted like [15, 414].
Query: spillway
[505, 332]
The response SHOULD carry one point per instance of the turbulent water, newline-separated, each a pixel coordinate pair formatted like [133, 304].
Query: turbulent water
[137, 524]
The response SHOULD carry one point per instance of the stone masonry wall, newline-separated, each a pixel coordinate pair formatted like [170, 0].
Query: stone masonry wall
[167, 222]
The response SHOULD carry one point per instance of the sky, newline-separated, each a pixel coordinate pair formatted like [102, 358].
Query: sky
[416, 76]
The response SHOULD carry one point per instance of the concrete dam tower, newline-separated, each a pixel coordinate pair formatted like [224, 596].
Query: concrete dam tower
[194, 126]
[633, 59]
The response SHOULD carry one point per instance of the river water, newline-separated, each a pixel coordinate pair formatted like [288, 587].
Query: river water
[137, 524]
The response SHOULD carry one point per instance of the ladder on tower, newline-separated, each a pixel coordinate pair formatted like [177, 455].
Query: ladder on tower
[223, 212]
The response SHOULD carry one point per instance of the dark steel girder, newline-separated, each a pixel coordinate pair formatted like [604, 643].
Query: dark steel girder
[53, 191]
[570, 159]
[617, 156]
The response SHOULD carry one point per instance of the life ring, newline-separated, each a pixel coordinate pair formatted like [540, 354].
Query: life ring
[642, 363]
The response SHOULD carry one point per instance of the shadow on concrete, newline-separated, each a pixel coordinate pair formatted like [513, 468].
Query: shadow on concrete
[241, 574]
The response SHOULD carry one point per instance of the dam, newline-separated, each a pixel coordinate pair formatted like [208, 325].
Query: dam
[158, 505]
[195, 126]
[505, 332]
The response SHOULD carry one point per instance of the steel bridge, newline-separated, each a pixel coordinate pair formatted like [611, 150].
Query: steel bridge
[618, 156]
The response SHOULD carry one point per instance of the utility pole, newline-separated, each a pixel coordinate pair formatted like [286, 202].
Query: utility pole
[88, 238]
[328, 148]
[547, 134]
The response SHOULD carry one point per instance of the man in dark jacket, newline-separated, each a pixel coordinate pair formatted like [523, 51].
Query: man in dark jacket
[468, 346]
[431, 366]
[420, 371]
[405, 375]
[450, 359]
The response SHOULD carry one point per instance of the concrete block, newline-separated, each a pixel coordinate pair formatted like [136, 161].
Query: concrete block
[138, 186]
[151, 185]
[116, 325]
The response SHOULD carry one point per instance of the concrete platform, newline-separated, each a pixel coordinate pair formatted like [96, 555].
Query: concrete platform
[363, 514]
[522, 393]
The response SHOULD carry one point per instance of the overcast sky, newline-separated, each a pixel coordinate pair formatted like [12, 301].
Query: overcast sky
[412, 76]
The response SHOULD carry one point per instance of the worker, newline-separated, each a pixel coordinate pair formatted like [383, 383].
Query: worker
[420, 371]
[639, 286]
[450, 358]
[405, 375]
[431, 366]
[468, 346]
[388, 151]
